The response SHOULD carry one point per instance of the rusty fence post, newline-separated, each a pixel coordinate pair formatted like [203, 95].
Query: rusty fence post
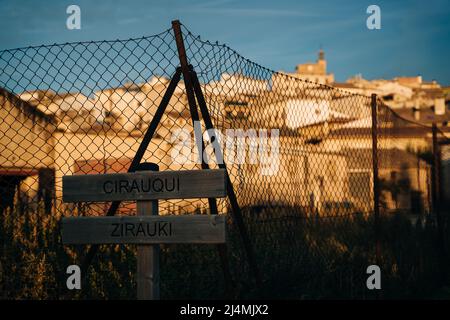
[237, 216]
[435, 188]
[376, 182]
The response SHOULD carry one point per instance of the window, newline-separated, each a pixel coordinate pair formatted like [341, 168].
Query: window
[359, 183]
[111, 118]
[236, 109]
[393, 175]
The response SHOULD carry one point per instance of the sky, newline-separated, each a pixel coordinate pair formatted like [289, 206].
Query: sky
[278, 34]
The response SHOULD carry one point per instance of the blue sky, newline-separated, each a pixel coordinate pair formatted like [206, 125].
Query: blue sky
[414, 38]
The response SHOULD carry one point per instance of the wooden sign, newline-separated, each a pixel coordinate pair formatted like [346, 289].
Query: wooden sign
[147, 228]
[144, 229]
[145, 185]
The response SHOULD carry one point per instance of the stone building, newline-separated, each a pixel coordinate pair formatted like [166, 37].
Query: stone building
[314, 72]
[27, 153]
[410, 97]
[324, 144]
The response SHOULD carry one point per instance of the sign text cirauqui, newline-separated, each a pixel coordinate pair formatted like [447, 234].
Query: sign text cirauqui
[148, 185]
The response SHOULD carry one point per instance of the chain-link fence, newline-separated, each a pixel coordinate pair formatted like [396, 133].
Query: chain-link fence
[299, 155]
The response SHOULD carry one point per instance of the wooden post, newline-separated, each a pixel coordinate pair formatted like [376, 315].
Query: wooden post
[148, 276]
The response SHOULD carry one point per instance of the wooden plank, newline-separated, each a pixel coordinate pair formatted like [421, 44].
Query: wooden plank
[144, 229]
[148, 185]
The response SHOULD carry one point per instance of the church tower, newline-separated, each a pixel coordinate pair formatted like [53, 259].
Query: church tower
[322, 63]
[315, 72]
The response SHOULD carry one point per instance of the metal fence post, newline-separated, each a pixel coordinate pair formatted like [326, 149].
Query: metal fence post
[435, 187]
[212, 202]
[376, 185]
[436, 156]
[191, 86]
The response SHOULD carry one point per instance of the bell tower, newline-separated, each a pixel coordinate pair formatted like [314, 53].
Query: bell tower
[322, 63]
[321, 54]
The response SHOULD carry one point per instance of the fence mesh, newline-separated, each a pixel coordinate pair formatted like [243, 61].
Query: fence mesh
[299, 156]
[405, 159]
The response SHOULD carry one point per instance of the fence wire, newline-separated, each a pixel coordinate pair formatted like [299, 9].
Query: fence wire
[299, 156]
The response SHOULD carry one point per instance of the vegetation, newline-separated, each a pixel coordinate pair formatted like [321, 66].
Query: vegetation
[299, 257]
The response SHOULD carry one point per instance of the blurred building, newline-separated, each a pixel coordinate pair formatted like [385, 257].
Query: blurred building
[27, 153]
[410, 97]
[314, 71]
[324, 135]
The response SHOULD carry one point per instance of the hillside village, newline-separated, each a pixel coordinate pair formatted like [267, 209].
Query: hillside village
[57, 134]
